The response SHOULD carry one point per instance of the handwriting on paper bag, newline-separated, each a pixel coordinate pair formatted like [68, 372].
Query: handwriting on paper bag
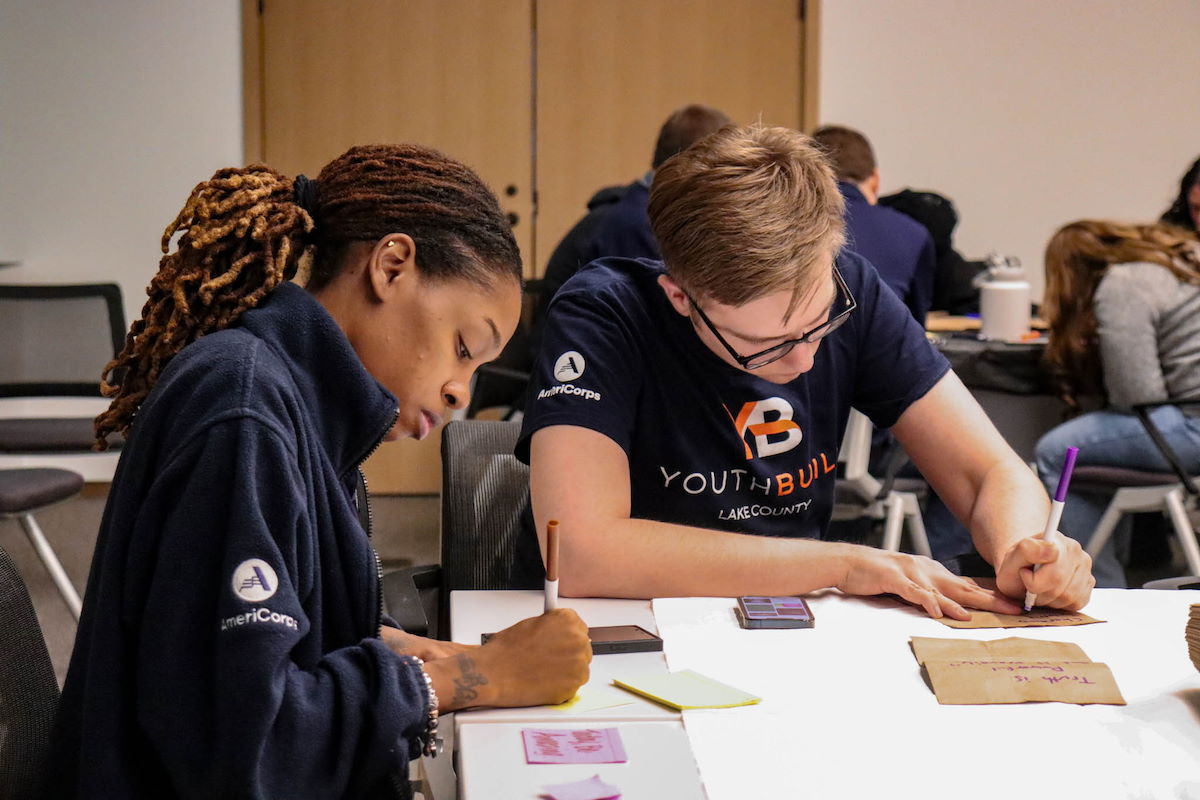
[1037, 618]
[982, 683]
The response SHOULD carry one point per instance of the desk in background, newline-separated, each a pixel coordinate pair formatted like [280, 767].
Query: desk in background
[857, 720]
[1007, 379]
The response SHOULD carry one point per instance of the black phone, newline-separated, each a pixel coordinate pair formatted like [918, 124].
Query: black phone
[623, 639]
[616, 639]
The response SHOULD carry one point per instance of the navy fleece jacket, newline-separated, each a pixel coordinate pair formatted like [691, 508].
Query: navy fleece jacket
[229, 642]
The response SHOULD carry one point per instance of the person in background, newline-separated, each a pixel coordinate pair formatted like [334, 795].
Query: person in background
[954, 290]
[1185, 211]
[616, 223]
[897, 246]
[1123, 305]
[233, 641]
[903, 252]
[684, 417]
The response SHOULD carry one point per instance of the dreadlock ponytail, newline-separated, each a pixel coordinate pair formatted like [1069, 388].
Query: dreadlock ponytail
[245, 230]
[242, 233]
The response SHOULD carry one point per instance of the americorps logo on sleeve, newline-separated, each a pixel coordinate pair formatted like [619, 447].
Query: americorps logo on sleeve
[569, 366]
[254, 580]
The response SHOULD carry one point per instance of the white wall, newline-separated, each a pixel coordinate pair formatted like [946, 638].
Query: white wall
[1026, 113]
[110, 112]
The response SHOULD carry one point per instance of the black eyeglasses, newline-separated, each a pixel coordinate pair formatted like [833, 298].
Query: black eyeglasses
[839, 312]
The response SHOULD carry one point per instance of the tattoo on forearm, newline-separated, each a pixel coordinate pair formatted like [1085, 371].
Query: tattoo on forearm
[465, 685]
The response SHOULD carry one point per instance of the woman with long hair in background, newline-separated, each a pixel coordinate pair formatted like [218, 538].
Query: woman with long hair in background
[1123, 304]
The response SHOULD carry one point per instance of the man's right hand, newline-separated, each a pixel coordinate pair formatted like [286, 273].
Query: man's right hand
[539, 661]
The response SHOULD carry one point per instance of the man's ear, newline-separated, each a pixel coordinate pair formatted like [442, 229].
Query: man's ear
[392, 264]
[675, 295]
[873, 183]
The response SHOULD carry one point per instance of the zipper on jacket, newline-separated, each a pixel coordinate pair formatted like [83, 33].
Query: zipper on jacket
[375, 554]
[370, 526]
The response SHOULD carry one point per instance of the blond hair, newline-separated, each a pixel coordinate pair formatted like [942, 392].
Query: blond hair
[747, 212]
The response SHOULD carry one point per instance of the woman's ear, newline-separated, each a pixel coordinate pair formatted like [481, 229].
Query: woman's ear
[391, 264]
[675, 295]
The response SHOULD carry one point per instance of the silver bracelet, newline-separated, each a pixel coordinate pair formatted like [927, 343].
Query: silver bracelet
[429, 740]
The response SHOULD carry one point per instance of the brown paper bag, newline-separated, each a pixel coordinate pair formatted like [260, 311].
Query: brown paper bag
[985, 683]
[1013, 648]
[1037, 618]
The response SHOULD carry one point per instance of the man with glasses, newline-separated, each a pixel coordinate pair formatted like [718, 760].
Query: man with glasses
[678, 406]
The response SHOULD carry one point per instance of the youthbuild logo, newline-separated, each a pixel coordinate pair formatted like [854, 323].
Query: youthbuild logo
[763, 422]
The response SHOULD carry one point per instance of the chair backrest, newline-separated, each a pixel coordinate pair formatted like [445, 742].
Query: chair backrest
[28, 689]
[485, 491]
[855, 456]
[57, 339]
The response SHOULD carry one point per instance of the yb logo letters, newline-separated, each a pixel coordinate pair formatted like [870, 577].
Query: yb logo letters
[768, 424]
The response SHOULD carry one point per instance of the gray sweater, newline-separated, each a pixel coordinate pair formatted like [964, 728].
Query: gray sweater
[1149, 326]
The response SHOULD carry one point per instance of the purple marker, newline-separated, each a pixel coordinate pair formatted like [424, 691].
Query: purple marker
[1056, 509]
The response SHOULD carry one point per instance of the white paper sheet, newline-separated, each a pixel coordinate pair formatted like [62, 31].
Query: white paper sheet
[845, 712]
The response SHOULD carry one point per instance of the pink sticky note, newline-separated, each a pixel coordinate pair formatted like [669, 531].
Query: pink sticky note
[573, 746]
[591, 789]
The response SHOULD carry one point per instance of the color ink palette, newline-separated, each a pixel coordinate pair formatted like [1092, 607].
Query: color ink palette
[774, 612]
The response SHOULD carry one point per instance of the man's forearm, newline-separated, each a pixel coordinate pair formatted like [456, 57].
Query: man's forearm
[644, 558]
[1011, 505]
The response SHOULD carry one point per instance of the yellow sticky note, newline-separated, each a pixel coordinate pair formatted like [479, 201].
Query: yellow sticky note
[593, 698]
[686, 689]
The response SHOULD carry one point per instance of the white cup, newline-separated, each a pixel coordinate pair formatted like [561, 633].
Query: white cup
[1004, 310]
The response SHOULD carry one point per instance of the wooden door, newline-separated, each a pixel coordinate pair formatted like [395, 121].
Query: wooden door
[609, 73]
[453, 74]
[459, 75]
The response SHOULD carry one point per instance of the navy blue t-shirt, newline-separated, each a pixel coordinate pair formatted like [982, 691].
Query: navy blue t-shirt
[710, 445]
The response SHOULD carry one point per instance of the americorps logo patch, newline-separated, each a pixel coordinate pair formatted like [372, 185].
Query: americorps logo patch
[254, 580]
[569, 366]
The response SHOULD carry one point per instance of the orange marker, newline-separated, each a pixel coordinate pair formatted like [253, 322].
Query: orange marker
[551, 565]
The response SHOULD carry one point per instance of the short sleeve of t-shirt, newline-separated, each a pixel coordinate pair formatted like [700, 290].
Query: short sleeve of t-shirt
[585, 373]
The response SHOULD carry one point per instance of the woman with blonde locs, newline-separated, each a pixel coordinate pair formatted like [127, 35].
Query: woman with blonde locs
[1123, 303]
[232, 641]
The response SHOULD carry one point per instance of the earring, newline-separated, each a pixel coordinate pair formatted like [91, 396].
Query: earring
[389, 244]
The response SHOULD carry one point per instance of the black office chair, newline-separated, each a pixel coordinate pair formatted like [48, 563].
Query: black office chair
[24, 491]
[502, 383]
[485, 491]
[28, 689]
[1174, 493]
[57, 341]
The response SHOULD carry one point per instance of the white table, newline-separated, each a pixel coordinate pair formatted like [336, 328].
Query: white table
[492, 764]
[490, 756]
[845, 712]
